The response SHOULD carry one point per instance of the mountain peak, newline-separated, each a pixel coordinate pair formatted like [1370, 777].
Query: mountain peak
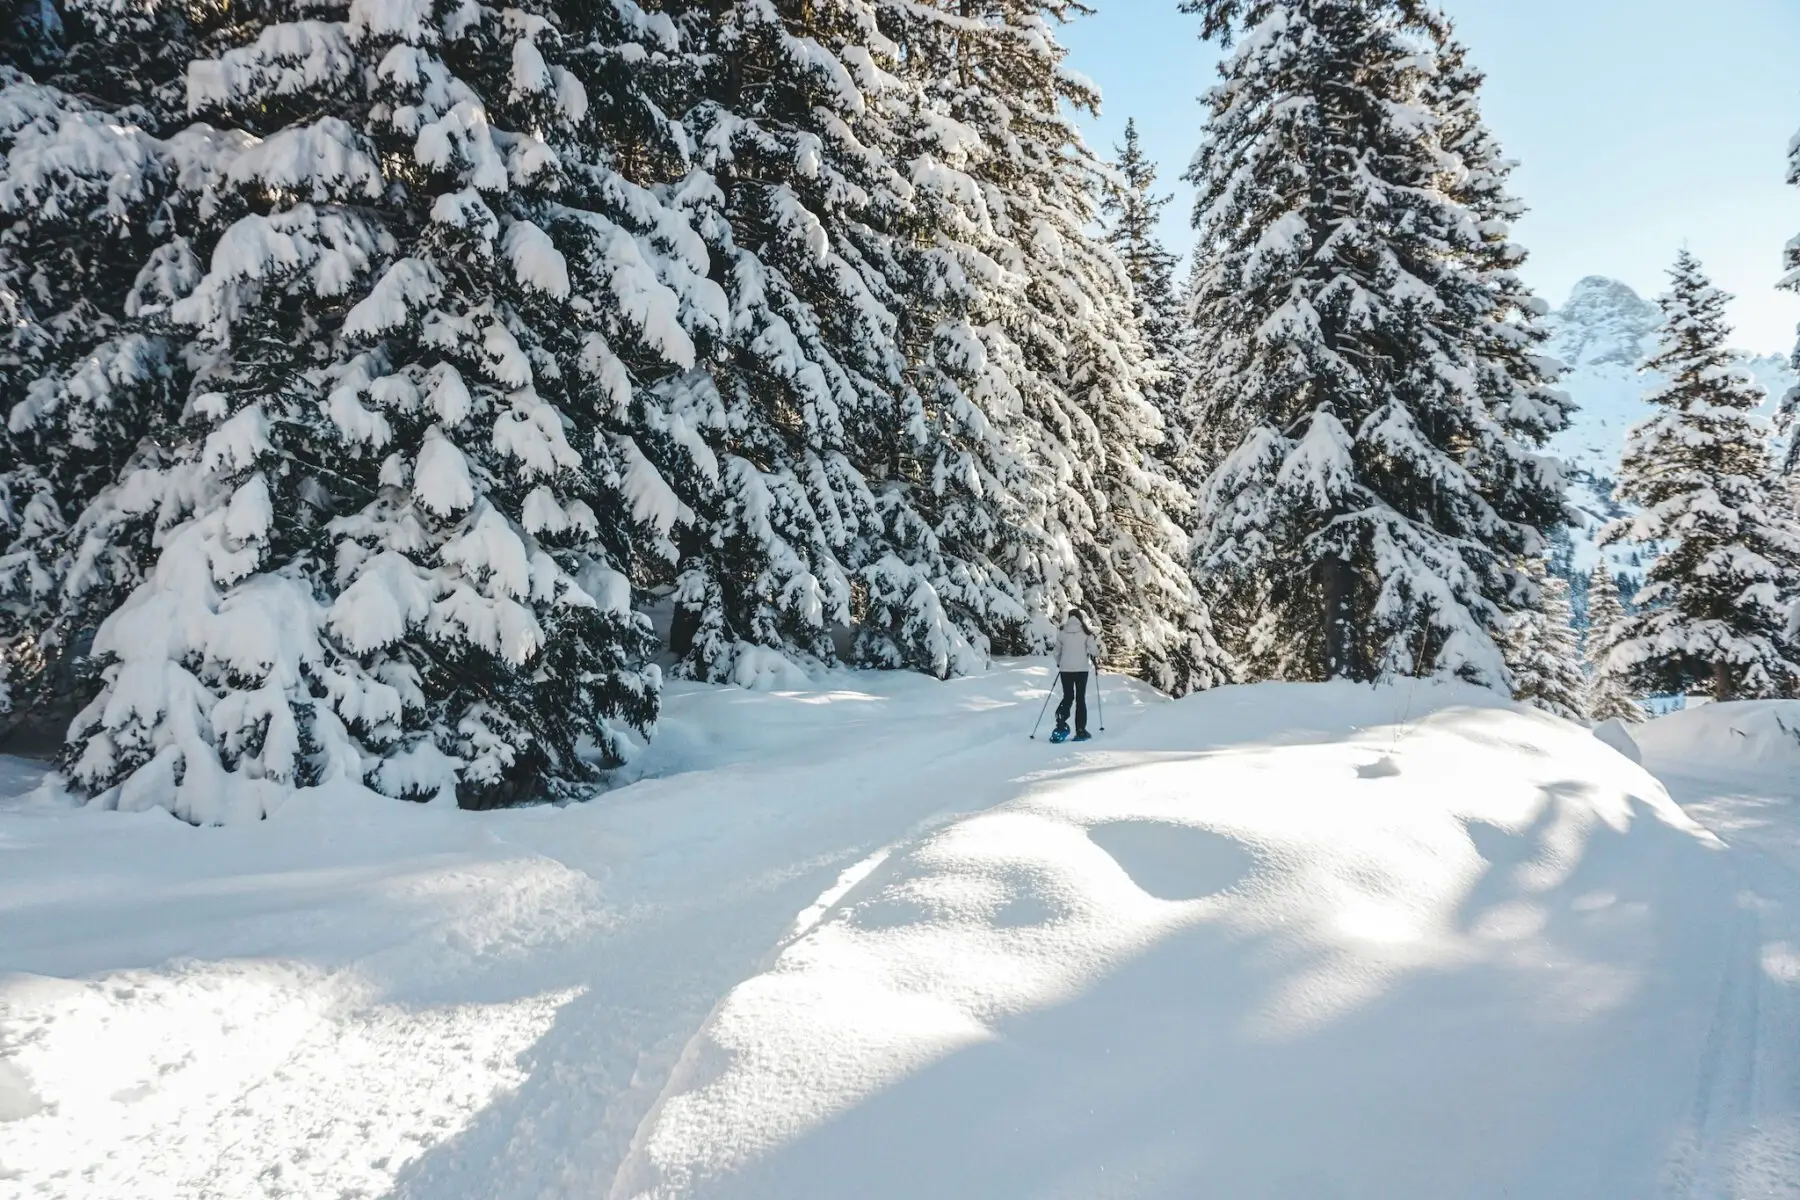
[1603, 321]
[1599, 291]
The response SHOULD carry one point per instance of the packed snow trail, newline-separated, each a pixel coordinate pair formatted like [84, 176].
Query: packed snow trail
[282, 998]
[1736, 768]
[867, 939]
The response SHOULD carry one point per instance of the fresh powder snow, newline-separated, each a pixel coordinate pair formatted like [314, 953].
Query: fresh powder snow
[864, 937]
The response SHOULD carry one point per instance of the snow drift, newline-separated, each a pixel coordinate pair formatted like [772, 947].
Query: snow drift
[1285, 941]
[1739, 737]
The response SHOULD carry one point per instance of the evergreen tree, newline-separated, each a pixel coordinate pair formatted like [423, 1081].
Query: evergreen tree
[1053, 307]
[791, 202]
[878, 470]
[1714, 604]
[1788, 411]
[1370, 514]
[1134, 208]
[1201, 444]
[1543, 653]
[1609, 696]
[1514, 376]
[98, 192]
[959, 479]
[390, 534]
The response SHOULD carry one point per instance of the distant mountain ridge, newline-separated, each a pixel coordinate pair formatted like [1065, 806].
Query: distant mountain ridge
[1603, 333]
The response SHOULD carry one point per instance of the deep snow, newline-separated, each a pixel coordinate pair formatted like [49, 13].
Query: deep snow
[867, 939]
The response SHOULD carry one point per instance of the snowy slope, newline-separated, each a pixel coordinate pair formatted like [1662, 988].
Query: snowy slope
[867, 940]
[1603, 334]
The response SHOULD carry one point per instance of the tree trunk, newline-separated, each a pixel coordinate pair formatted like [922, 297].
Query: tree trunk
[962, 49]
[1721, 680]
[684, 623]
[1340, 620]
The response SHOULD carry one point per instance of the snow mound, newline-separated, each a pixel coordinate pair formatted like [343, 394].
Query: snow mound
[1283, 940]
[1616, 734]
[759, 669]
[1741, 737]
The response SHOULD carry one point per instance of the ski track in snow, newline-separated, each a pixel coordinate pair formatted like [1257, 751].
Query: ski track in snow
[426, 1005]
[1743, 1138]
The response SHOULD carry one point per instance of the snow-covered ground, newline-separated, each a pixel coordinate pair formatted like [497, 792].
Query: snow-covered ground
[868, 940]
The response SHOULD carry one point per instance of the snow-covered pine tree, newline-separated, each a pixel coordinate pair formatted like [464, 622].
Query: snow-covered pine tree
[94, 202]
[876, 475]
[1514, 381]
[1201, 445]
[1609, 696]
[1515, 378]
[1365, 521]
[793, 204]
[954, 477]
[1788, 409]
[1133, 207]
[392, 530]
[1543, 652]
[1713, 610]
[1053, 305]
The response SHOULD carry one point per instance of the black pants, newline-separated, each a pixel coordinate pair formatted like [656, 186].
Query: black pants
[1074, 685]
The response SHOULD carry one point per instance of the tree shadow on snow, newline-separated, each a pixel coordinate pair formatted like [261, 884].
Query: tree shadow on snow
[1536, 1057]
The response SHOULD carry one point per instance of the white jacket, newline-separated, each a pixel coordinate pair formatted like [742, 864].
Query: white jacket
[1075, 646]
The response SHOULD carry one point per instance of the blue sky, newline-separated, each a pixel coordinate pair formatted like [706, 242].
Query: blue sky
[1640, 126]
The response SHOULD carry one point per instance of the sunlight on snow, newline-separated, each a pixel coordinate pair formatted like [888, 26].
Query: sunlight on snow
[152, 1082]
[1324, 887]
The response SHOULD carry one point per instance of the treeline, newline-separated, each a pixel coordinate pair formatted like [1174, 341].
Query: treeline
[368, 364]
[372, 368]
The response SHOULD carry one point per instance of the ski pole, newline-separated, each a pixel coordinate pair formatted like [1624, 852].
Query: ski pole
[1048, 692]
[1099, 705]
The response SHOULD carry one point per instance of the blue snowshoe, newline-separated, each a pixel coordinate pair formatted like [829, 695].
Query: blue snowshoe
[1059, 735]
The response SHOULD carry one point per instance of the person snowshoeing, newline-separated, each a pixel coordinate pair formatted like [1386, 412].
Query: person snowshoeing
[1077, 646]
